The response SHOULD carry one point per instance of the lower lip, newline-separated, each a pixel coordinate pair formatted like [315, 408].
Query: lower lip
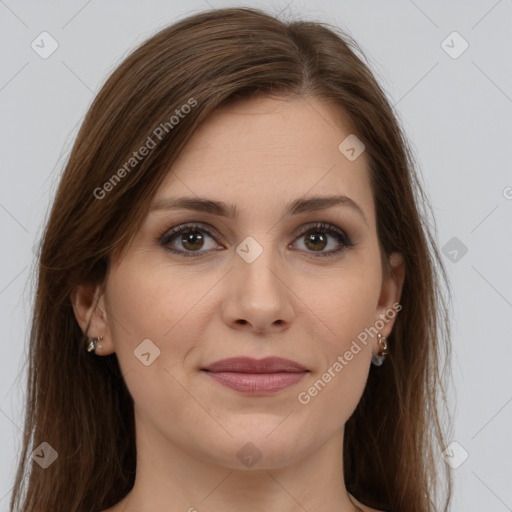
[256, 383]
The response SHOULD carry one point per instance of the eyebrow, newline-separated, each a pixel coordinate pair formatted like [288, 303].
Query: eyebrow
[230, 211]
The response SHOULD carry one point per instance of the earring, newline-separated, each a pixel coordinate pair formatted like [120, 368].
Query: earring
[379, 358]
[92, 343]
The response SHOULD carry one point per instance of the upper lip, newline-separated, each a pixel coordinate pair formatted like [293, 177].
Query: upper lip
[250, 365]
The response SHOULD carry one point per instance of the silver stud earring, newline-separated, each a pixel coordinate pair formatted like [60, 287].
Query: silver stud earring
[92, 343]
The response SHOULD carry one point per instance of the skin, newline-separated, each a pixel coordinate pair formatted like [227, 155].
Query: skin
[259, 154]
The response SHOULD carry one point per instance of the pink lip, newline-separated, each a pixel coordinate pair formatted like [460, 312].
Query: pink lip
[253, 376]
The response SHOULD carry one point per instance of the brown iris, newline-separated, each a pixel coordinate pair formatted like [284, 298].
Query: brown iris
[192, 240]
[315, 238]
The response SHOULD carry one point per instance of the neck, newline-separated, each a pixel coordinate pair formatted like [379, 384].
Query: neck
[190, 481]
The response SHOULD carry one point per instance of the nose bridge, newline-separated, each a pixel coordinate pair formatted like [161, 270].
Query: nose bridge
[258, 266]
[257, 292]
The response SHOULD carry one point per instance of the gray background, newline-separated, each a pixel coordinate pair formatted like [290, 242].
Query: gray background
[456, 112]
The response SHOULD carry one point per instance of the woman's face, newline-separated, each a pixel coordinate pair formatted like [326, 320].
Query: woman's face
[277, 276]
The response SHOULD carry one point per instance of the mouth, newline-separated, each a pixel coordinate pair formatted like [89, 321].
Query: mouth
[256, 377]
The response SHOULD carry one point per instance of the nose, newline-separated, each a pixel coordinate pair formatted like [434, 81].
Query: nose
[258, 296]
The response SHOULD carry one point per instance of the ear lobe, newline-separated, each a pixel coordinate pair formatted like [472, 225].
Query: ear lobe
[88, 312]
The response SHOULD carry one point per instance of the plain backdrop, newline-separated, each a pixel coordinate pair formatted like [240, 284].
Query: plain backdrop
[455, 104]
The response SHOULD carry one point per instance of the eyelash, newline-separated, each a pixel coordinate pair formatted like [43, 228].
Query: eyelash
[321, 227]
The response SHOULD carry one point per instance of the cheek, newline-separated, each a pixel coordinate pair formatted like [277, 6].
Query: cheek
[347, 305]
[346, 310]
[153, 302]
[143, 305]
[338, 383]
[143, 300]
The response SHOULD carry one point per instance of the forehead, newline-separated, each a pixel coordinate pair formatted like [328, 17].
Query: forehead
[265, 152]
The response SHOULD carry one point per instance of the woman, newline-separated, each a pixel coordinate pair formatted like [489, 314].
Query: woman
[237, 236]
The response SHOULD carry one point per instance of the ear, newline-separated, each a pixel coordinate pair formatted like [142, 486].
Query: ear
[88, 304]
[390, 294]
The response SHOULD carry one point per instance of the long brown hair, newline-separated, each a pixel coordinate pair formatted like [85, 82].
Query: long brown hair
[80, 405]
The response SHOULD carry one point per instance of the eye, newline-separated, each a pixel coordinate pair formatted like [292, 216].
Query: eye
[316, 239]
[191, 238]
